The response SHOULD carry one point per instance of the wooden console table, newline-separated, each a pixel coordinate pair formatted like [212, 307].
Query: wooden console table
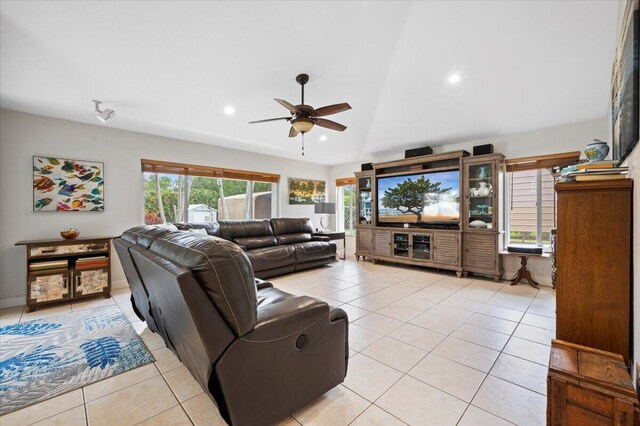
[336, 235]
[59, 270]
[523, 273]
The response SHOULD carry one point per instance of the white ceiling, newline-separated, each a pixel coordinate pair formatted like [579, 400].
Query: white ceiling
[169, 68]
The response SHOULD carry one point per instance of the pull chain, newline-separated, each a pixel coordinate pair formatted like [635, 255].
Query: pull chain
[303, 142]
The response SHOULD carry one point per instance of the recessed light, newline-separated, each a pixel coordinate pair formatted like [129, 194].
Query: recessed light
[229, 110]
[323, 138]
[454, 78]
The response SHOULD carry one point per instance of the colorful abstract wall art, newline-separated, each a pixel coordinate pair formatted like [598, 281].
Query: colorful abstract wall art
[67, 185]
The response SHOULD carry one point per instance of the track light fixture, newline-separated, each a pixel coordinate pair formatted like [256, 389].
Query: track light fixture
[105, 115]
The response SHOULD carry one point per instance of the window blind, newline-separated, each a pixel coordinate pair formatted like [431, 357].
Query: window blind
[543, 161]
[155, 166]
[346, 181]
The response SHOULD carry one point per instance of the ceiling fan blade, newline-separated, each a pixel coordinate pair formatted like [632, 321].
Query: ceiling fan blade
[292, 108]
[270, 119]
[329, 124]
[293, 132]
[332, 109]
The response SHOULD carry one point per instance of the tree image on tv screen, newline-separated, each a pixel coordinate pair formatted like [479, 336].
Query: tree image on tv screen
[413, 196]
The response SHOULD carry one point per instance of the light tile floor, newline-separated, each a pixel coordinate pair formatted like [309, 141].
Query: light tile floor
[427, 348]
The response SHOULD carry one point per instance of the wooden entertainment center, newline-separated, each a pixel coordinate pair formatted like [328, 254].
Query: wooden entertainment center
[472, 245]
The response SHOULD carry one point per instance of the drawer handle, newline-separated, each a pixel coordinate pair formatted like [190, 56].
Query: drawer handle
[77, 278]
[65, 282]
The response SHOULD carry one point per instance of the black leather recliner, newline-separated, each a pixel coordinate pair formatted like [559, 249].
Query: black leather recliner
[260, 353]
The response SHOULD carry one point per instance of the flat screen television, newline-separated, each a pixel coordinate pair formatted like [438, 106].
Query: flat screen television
[423, 199]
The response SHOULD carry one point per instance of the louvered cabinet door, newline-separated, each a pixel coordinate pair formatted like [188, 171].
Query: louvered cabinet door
[382, 243]
[446, 249]
[480, 252]
[364, 241]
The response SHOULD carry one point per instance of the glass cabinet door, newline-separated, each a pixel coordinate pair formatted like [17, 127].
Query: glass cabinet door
[421, 247]
[364, 200]
[481, 207]
[401, 244]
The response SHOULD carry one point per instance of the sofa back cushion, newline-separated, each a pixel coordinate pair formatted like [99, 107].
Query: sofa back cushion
[223, 271]
[232, 229]
[293, 238]
[212, 228]
[145, 235]
[256, 242]
[283, 226]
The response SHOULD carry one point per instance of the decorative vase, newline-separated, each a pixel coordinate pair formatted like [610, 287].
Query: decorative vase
[485, 189]
[597, 150]
[483, 173]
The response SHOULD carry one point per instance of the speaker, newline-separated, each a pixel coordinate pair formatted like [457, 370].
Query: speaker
[483, 149]
[366, 166]
[417, 152]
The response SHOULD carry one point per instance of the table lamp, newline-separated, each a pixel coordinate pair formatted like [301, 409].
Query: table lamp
[325, 209]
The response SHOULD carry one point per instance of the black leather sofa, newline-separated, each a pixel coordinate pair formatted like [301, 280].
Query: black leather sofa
[274, 246]
[259, 352]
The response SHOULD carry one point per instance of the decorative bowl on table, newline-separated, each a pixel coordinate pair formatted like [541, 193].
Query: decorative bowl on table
[597, 150]
[69, 233]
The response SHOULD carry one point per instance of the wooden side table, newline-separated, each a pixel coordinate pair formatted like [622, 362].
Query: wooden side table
[523, 273]
[335, 235]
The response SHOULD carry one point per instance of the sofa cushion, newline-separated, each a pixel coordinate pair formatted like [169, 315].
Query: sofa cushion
[283, 226]
[256, 242]
[314, 250]
[223, 271]
[232, 229]
[211, 228]
[293, 238]
[274, 257]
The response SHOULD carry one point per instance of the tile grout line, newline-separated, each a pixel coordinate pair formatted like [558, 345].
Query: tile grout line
[489, 372]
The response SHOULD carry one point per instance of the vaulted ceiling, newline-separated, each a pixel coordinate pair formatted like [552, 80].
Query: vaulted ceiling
[170, 68]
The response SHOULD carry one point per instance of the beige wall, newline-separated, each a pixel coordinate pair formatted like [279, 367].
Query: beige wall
[24, 135]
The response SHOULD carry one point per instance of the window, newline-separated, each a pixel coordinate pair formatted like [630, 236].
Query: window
[197, 194]
[531, 207]
[346, 205]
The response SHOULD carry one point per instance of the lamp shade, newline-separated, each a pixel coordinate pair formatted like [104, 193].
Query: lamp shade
[325, 208]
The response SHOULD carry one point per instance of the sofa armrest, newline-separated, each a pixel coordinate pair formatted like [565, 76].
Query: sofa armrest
[286, 317]
[319, 238]
[244, 248]
[261, 284]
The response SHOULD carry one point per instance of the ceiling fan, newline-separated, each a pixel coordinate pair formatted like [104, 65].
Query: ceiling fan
[304, 117]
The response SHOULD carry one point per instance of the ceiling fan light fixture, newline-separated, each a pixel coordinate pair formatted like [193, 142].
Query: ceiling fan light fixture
[103, 115]
[302, 125]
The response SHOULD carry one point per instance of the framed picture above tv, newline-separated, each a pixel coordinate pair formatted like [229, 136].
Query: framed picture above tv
[625, 110]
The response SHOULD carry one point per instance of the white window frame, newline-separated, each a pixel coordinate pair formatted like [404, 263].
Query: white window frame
[546, 247]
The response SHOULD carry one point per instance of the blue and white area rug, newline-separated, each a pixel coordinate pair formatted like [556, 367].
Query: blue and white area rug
[44, 358]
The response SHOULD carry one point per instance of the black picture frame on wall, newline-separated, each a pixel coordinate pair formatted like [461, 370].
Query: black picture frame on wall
[625, 85]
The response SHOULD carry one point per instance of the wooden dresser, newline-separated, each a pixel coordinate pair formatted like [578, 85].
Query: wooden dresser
[593, 257]
[59, 270]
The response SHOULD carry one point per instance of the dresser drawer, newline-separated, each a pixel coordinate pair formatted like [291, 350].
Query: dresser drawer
[64, 249]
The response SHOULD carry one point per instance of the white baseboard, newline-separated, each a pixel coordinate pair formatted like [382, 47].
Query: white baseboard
[10, 302]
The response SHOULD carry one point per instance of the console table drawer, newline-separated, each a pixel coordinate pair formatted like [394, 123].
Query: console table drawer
[64, 249]
[47, 288]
